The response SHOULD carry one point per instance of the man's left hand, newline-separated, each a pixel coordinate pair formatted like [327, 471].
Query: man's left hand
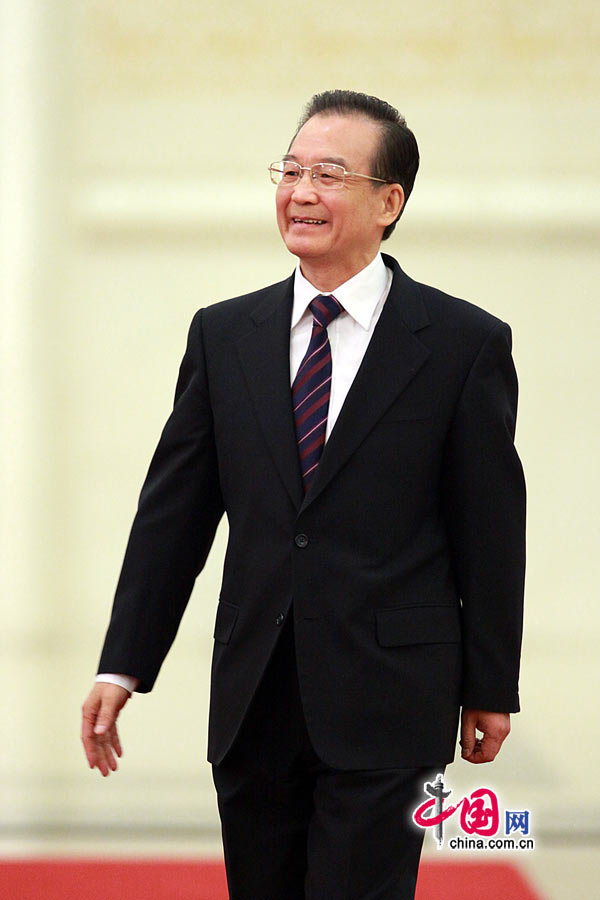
[494, 726]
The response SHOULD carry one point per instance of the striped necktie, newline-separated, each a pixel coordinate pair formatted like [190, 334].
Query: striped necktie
[312, 387]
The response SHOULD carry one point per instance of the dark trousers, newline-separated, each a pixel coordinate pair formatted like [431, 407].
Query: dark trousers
[295, 829]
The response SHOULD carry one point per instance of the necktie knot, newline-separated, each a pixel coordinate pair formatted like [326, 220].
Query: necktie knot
[324, 309]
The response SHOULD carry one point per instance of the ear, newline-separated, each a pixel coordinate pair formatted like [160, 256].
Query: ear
[392, 201]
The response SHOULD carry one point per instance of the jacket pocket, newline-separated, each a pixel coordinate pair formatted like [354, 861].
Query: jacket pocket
[399, 626]
[227, 615]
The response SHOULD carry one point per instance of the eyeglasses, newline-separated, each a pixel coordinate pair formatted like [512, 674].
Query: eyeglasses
[324, 175]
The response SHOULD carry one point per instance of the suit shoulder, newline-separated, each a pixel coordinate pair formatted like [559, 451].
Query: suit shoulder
[425, 302]
[226, 313]
[456, 327]
[454, 312]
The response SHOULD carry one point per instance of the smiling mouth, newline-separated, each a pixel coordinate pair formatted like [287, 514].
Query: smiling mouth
[298, 221]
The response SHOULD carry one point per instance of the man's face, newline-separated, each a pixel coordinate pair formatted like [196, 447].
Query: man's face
[348, 228]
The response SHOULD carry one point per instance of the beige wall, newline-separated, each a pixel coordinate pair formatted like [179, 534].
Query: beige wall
[134, 191]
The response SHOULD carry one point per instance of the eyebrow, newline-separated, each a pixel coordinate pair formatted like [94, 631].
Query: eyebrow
[338, 160]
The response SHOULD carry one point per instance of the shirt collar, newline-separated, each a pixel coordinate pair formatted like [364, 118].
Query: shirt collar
[359, 295]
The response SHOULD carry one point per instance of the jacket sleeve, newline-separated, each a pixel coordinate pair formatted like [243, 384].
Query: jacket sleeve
[484, 505]
[179, 509]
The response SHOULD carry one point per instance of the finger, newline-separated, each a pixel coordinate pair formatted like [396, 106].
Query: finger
[113, 749]
[102, 760]
[468, 739]
[109, 747]
[475, 755]
[97, 746]
[99, 755]
[105, 755]
[109, 758]
[88, 722]
[116, 742]
[89, 747]
[481, 753]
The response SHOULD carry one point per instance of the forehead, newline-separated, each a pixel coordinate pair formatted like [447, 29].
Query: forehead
[351, 140]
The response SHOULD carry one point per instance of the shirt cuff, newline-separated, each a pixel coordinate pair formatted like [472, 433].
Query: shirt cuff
[129, 682]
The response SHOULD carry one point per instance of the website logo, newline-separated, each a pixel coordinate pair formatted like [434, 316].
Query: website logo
[478, 817]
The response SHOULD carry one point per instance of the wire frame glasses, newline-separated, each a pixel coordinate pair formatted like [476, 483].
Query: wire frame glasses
[325, 175]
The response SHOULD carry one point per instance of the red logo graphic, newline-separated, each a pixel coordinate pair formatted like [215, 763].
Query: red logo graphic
[479, 812]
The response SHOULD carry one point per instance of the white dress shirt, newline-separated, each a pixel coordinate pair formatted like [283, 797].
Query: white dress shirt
[362, 298]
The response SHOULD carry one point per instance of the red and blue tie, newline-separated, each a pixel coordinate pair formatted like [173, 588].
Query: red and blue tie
[312, 388]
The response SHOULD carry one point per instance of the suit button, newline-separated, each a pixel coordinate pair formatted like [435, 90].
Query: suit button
[301, 540]
[280, 619]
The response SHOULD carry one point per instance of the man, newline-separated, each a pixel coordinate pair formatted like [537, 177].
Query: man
[357, 428]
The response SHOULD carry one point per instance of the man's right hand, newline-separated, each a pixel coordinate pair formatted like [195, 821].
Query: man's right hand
[98, 727]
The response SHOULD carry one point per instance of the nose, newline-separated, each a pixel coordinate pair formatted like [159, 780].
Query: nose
[304, 190]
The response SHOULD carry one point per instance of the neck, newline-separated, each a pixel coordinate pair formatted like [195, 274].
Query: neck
[326, 278]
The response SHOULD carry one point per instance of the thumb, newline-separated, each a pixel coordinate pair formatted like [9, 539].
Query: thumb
[107, 717]
[113, 698]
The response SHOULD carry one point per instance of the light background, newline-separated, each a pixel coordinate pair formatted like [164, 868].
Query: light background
[135, 140]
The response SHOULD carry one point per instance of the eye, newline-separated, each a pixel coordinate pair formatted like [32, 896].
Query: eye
[329, 175]
[289, 172]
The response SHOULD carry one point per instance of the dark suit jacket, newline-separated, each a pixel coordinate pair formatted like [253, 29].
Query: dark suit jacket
[402, 566]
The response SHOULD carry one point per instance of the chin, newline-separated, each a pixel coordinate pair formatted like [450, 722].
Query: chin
[304, 247]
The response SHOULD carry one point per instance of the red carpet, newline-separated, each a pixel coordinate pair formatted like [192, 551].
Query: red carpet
[111, 880]
[180, 880]
[460, 881]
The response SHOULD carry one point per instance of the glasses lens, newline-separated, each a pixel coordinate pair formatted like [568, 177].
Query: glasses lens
[328, 175]
[325, 175]
[284, 172]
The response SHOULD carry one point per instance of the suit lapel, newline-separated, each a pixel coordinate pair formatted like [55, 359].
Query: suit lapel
[265, 357]
[393, 357]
